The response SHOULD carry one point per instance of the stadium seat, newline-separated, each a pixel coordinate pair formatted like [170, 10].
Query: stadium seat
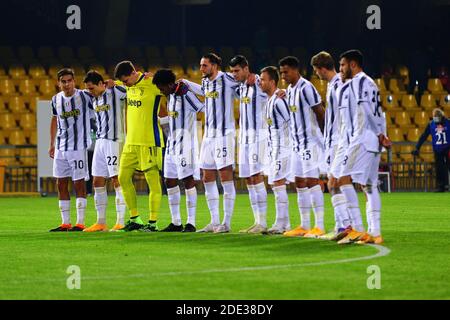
[3, 74]
[381, 85]
[320, 85]
[17, 137]
[2, 138]
[409, 103]
[27, 121]
[8, 155]
[434, 85]
[403, 73]
[53, 70]
[421, 118]
[178, 70]
[394, 87]
[99, 68]
[28, 156]
[7, 87]
[33, 138]
[17, 72]
[27, 87]
[32, 102]
[403, 120]
[428, 101]
[390, 103]
[194, 72]
[444, 100]
[405, 152]
[426, 153]
[413, 134]
[283, 84]
[395, 134]
[47, 88]
[37, 72]
[3, 108]
[17, 106]
[389, 122]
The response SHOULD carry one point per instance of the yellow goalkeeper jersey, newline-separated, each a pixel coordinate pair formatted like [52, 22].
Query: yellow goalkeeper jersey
[143, 102]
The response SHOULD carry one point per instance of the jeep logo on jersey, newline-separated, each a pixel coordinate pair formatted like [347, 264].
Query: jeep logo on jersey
[173, 114]
[245, 100]
[104, 107]
[134, 103]
[269, 121]
[212, 95]
[69, 114]
[293, 108]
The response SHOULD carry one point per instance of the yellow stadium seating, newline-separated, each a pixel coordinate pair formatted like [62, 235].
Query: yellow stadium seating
[414, 134]
[389, 122]
[7, 87]
[405, 152]
[7, 121]
[395, 134]
[17, 106]
[403, 120]
[17, 137]
[2, 138]
[37, 72]
[320, 85]
[409, 103]
[8, 155]
[3, 108]
[178, 70]
[444, 100]
[53, 70]
[194, 72]
[99, 68]
[394, 87]
[283, 84]
[428, 102]
[27, 87]
[28, 156]
[421, 118]
[390, 103]
[27, 121]
[426, 153]
[381, 85]
[33, 137]
[32, 102]
[434, 85]
[47, 87]
[17, 72]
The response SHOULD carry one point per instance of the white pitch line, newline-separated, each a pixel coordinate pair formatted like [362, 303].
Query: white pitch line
[381, 252]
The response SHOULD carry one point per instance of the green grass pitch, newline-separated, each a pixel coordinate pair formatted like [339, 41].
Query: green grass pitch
[34, 262]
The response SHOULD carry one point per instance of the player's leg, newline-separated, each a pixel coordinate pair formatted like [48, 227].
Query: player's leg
[244, 172]
[78, 162]
[212, 199]
[174, 195]
[191, 203]
[317, 204]
[281, 207]
[64, 204]
[120, 204]
[128, 164]
[229, 196]
[261, 196]
[304, 207]
[154, 198]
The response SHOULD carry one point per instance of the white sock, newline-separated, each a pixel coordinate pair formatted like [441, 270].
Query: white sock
[317, 204]
[341, 213]
[253, 195]
[101, 202]
[174, 196]
[304, 207]
[191, 205]
[282, 207]
[212, 198]
[121, 206]
[81, 210]
[64, 209]
[353, 206]
[368, 217]
[262, 204]
[374, 201]
[229, 196]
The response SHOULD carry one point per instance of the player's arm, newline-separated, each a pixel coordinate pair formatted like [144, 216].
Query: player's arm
[423, 137]
[195, 104]
[125, 106]
[51, 150]
[319, 111]
[163, 117]
[194, 87]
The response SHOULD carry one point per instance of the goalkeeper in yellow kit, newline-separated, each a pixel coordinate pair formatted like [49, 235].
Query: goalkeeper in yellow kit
[143, 144]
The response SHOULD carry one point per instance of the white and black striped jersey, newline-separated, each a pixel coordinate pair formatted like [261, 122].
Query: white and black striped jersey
[332, 119]
[305, 129]
[363, 117]
[73, 125]
[278, 118]
[108, 113]
[252, 103]
[182, 111]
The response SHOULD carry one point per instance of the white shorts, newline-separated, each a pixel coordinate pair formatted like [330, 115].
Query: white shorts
[361, 165]
[72, 164]
[217, 153]
[105, 162]
[280, 169]
[181, 166]
[337, 162]
[306, 162]
[252, 159]
[329, 155]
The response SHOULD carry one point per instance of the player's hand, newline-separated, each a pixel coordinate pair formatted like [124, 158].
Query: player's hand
[51, 151]
[110, 83]
[281, 93]
[415, 152]
[251, 80]
[384, 141]
[148, 75]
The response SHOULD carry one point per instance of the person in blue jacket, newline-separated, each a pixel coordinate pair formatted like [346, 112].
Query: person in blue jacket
[439, 128]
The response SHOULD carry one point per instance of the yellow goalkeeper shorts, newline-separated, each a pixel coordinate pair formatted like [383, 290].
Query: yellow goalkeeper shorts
[141, 158]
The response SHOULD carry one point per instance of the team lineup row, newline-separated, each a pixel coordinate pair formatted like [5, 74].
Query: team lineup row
[287, 135]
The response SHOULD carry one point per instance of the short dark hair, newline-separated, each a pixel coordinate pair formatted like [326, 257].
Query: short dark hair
[239, 60]
[65, 72]
[164, 77]
[213, 58]
[94, 77]
[124, 68]
[323, 60]
[353, 55]
[290, 61]
[272, 72]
